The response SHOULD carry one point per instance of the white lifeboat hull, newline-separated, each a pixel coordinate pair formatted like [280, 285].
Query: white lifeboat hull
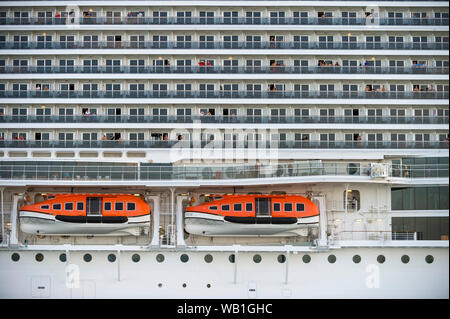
[215, 225]
[47, 224]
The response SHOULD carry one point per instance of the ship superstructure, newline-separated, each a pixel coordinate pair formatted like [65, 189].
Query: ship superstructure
[341, 107]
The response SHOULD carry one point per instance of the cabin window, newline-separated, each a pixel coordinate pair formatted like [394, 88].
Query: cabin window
[107, 206]
[248, 207]
[288, 207]
[68, 206]
[57, 206]
[300, 207]
[212, 207]
[131, 206]
[237, 207]
[225, 207]
[80, 206]
[276, 207]
[119, 206]
[45, 206]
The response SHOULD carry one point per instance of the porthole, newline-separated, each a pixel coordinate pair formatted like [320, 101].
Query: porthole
[135, 258]
[160, 258]
[184, 285]
[15, 257]
[281, 259]
[381, 259]
[332, 259]
[87, 257]
[306, 259]
[160, 285]
[208, 286]
[405, 259]
[257, 258]
[208, 258]
[111, 258]
[231, 258]
[39, 257]
[184, 258]
[63, 257]
[429, 259]
[357, 259]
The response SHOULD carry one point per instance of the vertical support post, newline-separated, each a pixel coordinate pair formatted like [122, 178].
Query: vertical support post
[236, 250]
[320, 200]
[286, 275]
[180, 221]
[2, 190]
[155, 216]
[14, 240]
[118, 265]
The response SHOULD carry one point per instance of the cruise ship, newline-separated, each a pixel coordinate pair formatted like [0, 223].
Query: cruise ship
[224, 149]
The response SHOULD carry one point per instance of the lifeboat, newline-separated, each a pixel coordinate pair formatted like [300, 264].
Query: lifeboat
[253, 215]
[86, 214]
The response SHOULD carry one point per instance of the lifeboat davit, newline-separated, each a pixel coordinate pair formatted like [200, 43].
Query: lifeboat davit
[86, 214]
[253, 215]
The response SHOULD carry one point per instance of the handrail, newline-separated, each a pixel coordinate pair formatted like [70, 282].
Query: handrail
[224, 45]
[227, 94]
[222, 119]
[197, 20]
[223, 144]
[223, 69]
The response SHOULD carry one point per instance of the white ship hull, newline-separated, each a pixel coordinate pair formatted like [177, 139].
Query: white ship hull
[268, 279]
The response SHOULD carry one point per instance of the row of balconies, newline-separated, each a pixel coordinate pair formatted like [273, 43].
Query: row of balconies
[223, 119]
[275, 69]
[298, 18]
[229, 94]
[235, 44]
[274, 144]
[79, 171]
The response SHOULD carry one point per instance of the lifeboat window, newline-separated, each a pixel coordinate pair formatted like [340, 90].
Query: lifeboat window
[68, 206]
[119, 206]
[80, 206]
[225, 207]
[248, 207]
[276, 207]
[107, 206]
[288, 207]
[131, 206]
[300, 207]
[51, 196]
[212, 207]
[45, 206]
[237, 207]
[56, 206]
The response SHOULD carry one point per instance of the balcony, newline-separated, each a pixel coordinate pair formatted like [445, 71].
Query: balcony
[221, 119]
[222, 144]
[224, 70]
[227, 45]
[227, 94]
[226, 21]
[80, 172]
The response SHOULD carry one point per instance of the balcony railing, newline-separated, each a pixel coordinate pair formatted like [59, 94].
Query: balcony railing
[224, 94]
[219, 119]
[225, 21]
[226, 45]
[80, 172]
[227, 69]
[223, 144]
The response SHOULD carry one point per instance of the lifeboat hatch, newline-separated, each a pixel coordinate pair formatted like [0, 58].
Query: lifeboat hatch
[262, 207]
[93, 205]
